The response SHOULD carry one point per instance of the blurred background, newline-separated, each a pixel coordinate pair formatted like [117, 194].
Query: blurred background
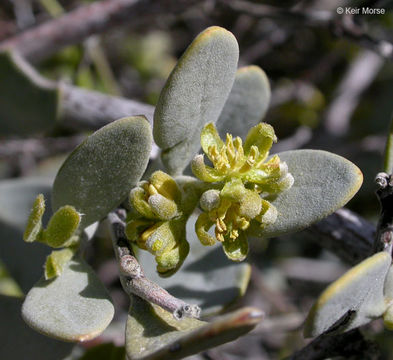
[331, 75]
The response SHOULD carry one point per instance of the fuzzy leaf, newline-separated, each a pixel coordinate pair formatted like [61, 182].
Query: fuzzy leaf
[18, 341]
[28, 103]
[207, 278]
[61, 227]
[194, 95]
[153, 333]
[73, 307]
[324, 182]
[100, 172]
[247, 103]
[34, 222]
[360, 291]
[56, 262]
[23, 261]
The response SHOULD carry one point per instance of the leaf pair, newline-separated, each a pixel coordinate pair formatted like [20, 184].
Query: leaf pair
[60, 229]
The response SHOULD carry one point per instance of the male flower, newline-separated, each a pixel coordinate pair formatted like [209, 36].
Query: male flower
[247, 177]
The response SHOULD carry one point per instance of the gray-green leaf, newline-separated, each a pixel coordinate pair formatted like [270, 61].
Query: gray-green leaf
[247, 103]
[324, 182]
[28, 103]
[100, 172]
[73, 307]
[152, 333]
[358, 294]
[194, 95]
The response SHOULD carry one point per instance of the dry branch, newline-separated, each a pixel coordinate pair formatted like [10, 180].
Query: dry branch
[41, 41]
[341, 25]
[134, 281]
[346, 234]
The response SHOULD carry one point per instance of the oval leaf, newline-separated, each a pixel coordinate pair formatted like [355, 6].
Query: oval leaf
[28, 103]
[324, 182]
[207, 278]
[100, 172]
[247, 103]
[194, 95]
[153, 333]
[358, 294]
[73, 307]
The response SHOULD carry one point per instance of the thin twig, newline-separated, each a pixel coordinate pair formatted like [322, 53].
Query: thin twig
[133, 279]
[346, 234]
[341, 25]
[44, 40]
[384, 238]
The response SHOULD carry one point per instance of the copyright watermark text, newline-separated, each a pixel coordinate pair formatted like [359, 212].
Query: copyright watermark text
[348, 10]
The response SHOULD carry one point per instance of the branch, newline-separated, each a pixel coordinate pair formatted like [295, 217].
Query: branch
[346, 234]
[133, 279]
[384, 238]
[86, 109]
[361, 73]
[83, 109]
[46, 39]
[38, 148]
[341, 25]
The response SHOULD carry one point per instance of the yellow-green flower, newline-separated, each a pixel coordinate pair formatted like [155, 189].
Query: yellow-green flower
[247, 162]
[231, 211]
[156, 224]
[157, 198]
[248, 176]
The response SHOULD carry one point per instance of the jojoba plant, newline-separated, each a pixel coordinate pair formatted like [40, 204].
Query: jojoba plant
[240, 192]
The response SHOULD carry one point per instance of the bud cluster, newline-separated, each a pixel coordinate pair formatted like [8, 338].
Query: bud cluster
[156, 223]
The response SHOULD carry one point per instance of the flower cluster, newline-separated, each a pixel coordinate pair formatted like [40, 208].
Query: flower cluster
[156, 223]
[246, 177]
